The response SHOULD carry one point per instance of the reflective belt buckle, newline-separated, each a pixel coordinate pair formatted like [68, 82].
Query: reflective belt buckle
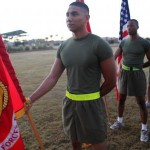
[124, 67]
[131, 68]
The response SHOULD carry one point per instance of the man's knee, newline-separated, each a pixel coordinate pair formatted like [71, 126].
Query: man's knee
[141, 103]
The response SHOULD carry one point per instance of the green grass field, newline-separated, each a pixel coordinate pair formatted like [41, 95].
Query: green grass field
[31, 68]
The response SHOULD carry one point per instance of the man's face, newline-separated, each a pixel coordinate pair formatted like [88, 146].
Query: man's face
[132, 27]
[76, 19]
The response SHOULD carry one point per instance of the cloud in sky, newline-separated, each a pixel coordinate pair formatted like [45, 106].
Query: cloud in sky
[41, 18]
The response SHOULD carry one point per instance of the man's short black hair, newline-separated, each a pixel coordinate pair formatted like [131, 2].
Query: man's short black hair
[80, 4]
[137, 23]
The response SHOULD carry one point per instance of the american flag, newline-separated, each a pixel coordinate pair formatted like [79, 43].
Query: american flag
[124, 18]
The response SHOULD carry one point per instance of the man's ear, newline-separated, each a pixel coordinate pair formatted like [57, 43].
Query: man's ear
[87, 17]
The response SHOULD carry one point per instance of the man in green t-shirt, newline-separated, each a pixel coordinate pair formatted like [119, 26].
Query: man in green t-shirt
[86, 57]
[132, 80]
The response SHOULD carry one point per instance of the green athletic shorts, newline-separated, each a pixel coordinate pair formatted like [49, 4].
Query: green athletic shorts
[132, 83]
[85, 121]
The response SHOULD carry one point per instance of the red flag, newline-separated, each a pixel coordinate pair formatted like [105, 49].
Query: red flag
[9, 132]
[88, 24]
[18, 97]
[124, 18]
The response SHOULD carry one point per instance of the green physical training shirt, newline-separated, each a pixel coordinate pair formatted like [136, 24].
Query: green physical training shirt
[81, 59]
[134, 51]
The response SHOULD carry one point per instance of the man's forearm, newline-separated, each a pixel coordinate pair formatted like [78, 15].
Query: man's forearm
[146, 64]
[46, 86]
[106, 88]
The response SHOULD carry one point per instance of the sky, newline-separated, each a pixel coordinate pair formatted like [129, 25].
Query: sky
[42, 18]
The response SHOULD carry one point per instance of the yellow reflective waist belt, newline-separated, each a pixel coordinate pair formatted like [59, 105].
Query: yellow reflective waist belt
[129, 68]
[83, 97]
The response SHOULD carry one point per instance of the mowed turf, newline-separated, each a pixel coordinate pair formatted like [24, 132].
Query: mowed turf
[31, 68]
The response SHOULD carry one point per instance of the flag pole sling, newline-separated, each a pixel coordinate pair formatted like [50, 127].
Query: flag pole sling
[36, 133]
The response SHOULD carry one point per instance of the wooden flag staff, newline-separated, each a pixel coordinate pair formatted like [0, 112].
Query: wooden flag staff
[35, 131]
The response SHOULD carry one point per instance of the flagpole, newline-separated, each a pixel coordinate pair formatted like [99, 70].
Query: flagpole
[35, 131]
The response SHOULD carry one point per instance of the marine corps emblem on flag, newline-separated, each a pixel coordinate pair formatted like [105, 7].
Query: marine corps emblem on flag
[3, 97]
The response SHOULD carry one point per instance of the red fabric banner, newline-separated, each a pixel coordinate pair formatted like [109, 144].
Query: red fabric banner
[18, 97]
[9, 132]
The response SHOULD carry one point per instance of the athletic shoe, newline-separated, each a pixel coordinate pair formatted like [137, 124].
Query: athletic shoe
[147, 104]
[116, 125]
[144, 136]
